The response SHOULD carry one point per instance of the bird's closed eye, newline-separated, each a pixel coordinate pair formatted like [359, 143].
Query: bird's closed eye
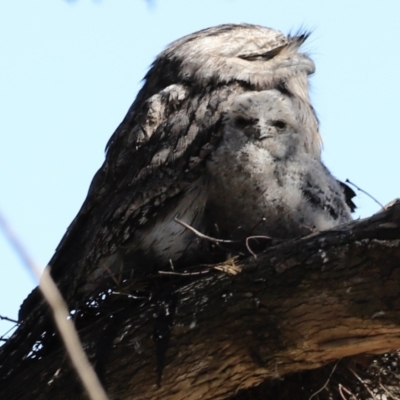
[268, 55]
[242, 122]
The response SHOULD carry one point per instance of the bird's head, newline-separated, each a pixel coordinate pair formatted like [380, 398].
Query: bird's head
[252, 54]
[254, 57]
[268, 120]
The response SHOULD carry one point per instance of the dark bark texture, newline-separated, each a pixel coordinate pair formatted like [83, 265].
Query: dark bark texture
[295, 307]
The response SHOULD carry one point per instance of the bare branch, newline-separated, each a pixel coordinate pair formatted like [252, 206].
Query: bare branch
[202, 235]
[369, 195]
[8, 319]
[61, 316]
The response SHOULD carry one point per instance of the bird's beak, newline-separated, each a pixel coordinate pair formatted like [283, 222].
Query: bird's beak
[262, 136]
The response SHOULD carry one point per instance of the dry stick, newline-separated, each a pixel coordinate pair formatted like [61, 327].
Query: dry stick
[2, 337]
[201, 235]
[128, 295]
[67, 330]
[326, 383]
[184, 273]
[365, 385]
[254, 237]
[8, 319]
[388, 392]
[211, 239]
[347, 391]
[372, 197]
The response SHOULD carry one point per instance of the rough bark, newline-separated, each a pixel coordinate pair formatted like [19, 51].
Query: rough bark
[298, 306]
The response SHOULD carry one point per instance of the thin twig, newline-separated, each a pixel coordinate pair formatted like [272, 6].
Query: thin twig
[254, 237]
[326, 383]
[131, 296]
[202, 235]
[184, 273]
[365, 385]
[346, 390]
[8, 319]
[388, 392]
[6, 333]
[361, 190]
[257, 225]
[65, 325]
[19, 249]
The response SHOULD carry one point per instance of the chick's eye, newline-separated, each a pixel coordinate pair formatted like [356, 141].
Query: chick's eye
[242, 122]
[280, 125]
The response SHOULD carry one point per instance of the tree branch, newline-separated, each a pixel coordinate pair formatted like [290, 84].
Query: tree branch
[299, 306]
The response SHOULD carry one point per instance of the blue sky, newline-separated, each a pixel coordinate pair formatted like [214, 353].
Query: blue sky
[70, 70]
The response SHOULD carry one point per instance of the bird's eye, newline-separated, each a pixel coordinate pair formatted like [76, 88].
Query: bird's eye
[242, 122]
[268, 55]
[280, 125]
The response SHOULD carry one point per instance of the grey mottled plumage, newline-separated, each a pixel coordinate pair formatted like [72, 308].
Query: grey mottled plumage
[167, 160]
[263, 180]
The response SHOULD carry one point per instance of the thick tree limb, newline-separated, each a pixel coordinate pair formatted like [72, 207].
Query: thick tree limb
[299, 306]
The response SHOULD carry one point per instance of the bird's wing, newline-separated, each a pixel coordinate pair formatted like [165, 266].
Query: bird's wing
[155, 154]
